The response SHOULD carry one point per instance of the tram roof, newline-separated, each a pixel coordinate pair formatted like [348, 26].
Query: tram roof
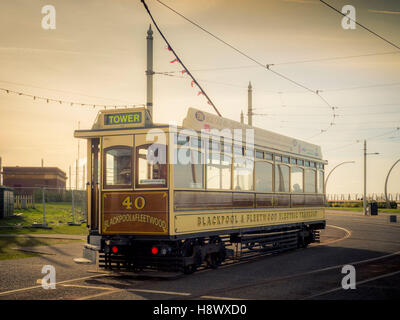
[108, 122]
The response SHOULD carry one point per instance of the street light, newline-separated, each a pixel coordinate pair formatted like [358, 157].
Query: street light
[330, 172]
[387, 178]
[365, 176]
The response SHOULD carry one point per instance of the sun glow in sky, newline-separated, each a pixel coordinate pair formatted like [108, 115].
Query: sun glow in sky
[97, 55]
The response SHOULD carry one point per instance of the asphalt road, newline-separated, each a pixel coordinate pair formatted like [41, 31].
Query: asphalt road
[370, 244]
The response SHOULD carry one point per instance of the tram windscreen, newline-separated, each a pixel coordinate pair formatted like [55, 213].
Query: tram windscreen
[118, 166]
[151, 166]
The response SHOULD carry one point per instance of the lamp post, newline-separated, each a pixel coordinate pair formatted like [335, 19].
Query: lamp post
[386, 181]
[330, 172]
[365, 176]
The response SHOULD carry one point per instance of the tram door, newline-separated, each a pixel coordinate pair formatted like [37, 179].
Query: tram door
[92, 186]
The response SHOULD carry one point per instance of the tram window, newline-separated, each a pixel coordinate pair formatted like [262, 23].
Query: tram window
[309, 178]
[278, 158]
[320, 183]
[238, 150]
[264, 171]
[297, 179]
[307, 163]
[226, 146]
[190, 174]
[268, 156]
[293, 160]
[118, 161]
[215, 146]
[300, 162]
[219, 168]
[281, 178]
[259, 154]
[243, 173]
[182, 140]
[195, 142]
[285, 159]
[151, 167]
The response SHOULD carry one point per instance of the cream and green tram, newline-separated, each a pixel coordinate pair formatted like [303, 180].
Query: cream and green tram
[175, 198]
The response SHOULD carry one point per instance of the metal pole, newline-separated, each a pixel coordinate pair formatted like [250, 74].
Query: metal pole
[241, 117]
[386, 181]
[76, 175]
[365, 179]
[73, 207]
[44, 207]
[150, 73]
[1, 174]
[70, 178]
[250, 105]
[83, 178]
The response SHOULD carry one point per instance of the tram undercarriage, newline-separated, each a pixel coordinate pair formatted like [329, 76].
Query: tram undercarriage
[123, 253]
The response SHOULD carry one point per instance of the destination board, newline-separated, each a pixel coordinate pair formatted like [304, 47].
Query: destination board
[123, 118]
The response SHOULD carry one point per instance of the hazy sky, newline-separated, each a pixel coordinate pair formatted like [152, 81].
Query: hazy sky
[97, 55]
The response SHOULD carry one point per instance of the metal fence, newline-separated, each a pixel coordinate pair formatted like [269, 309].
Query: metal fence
[56, 205]
[359, 196]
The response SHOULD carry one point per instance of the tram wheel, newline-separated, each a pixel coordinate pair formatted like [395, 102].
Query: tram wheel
[214, 260]
[189, 269]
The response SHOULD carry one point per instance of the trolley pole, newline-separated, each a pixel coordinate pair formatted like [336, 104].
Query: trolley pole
[150, 73]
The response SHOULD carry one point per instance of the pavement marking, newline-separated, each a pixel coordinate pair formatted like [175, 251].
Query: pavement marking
[61, 282]
[380, 221]
[162, 292]
[357, 283]
[261, 282]
[219, 298]
[98, 295]
[348, 235]
[87, 287]
[111, 291]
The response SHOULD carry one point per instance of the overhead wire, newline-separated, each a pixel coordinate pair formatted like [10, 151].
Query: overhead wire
[179, 60]
[266, 67]
[361, 25]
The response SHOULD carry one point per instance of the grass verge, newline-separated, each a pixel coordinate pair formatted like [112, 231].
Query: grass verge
[357, 209]
[57, 215]
[9, 246]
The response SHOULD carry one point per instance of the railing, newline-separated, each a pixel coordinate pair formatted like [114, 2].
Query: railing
[358, 197]
[56, 205]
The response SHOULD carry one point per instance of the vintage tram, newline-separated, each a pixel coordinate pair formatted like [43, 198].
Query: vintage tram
[176, 198]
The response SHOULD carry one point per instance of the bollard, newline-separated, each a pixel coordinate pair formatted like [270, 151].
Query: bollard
[393, 218]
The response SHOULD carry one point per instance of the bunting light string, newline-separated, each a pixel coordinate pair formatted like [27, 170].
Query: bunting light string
[71, 103]
[169, 47]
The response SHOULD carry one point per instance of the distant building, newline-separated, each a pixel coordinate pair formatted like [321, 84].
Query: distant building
[26, 179]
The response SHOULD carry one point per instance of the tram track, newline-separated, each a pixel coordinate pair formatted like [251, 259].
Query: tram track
[370, 266]
[368, 270]
[203, 269]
